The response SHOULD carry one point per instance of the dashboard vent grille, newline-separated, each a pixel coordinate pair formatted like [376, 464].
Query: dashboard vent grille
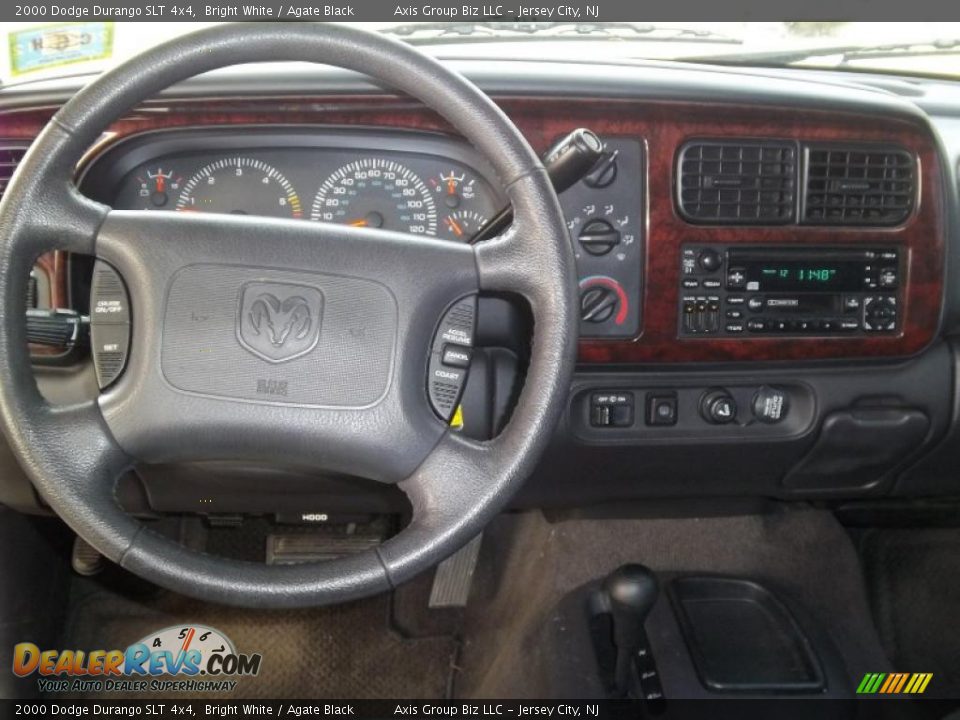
[10, 156]
[858, 186]
[738, 183]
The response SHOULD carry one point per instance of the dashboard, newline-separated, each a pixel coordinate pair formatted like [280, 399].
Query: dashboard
[767, 273]
[427, 184]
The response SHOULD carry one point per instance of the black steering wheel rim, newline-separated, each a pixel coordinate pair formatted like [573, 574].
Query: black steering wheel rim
[72, 454]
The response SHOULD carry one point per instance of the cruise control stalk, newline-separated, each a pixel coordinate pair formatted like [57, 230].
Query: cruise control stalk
[58, 328]
[567, 162]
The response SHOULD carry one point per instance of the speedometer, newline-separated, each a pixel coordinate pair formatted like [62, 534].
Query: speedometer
[376, 193]
[240, 186]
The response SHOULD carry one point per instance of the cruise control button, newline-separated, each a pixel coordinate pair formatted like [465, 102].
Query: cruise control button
[110, 344]
[457, 324]
[456, 356]
[450, 357]
[108, 296]
[444, 386]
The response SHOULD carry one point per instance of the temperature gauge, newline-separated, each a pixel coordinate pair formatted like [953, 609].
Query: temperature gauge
[157, 187]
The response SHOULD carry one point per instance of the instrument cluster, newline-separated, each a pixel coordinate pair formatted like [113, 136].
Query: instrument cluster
[423, 184]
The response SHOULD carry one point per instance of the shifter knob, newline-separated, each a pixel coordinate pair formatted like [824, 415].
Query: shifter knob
[631, 591]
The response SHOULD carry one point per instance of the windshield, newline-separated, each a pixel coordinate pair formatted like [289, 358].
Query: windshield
[42, 51]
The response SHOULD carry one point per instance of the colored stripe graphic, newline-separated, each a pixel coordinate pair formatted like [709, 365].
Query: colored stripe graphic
[894, 683]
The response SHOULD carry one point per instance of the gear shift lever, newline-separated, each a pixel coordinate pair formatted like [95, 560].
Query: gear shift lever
[631, 591]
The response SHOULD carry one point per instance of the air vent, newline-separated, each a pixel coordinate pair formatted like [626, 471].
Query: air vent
[11, 153]
[738, 183]
[858, 185]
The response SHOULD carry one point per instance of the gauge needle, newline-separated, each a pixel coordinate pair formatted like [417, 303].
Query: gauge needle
[455, 226]
[362, 222]
[451, 187]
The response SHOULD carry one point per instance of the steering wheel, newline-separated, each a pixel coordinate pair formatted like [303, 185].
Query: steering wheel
[377, 299]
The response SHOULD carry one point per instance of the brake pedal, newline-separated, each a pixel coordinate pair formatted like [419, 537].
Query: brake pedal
[454, 576]
[85, 559]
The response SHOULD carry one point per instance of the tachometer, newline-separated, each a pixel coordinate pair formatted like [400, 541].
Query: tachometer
[240, 186]
[376, 193]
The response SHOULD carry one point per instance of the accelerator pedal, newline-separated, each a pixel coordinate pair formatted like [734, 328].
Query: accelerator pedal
[451, 583]
[85, 559]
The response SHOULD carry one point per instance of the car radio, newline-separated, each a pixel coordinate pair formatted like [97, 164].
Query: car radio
[735, 290]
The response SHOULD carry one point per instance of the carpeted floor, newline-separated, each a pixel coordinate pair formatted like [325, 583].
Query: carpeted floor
[345, 651]
[914, 589]
[515, 644]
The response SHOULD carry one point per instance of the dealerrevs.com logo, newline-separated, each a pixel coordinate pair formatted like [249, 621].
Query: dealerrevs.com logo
[191, 658]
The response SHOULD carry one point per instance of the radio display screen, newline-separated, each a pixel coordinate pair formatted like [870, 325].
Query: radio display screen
[803, 276]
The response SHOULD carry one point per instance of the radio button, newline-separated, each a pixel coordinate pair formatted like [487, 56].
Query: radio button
[711, 284]
[851, 303]
[734, 314]
[755, 304]
[888, 278]
[710, 260]
[691, 283]
[756, 326]
[849, 325]
[736, 279]
[735, 299]
[827, 325]
[734, 327]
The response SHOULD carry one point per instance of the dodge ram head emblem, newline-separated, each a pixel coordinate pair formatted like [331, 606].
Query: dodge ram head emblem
[279, 321]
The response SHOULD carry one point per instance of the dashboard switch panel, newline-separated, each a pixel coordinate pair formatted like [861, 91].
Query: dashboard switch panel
[605, 221]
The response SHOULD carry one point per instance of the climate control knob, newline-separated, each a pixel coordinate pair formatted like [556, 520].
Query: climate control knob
[602, 299]
[598, 237]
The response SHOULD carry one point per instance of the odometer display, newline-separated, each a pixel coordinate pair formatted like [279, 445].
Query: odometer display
[376, 193]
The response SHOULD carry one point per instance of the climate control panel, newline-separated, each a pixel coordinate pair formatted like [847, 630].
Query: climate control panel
[604, 218]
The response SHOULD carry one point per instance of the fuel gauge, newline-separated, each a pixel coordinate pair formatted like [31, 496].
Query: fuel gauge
[462, 224]
[157, 187]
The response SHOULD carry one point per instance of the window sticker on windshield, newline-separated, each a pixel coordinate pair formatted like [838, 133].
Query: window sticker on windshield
[51, 46]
